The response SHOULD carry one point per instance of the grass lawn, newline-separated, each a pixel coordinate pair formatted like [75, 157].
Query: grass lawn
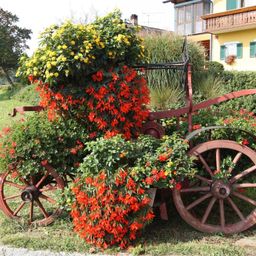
[6, 107]
[173, 237]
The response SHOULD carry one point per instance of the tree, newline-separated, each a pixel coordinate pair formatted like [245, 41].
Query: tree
[12, 42]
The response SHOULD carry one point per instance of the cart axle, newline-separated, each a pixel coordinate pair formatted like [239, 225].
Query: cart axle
[220, 189]
[30, 194]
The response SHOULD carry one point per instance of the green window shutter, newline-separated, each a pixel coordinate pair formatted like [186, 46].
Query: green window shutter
[252, 49]
[222, 52]
[232, 4]
[239, 50]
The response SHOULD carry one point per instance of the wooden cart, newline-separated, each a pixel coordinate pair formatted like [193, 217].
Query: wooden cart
[206, 203]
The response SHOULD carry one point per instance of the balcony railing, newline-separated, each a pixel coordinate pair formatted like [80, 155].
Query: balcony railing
[243, 18]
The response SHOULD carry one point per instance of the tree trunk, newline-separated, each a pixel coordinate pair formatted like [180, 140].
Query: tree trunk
[8, 77]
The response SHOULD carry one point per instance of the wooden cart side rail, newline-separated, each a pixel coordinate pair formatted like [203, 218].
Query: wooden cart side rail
[25, 109]
[193, 134]
[205, 104]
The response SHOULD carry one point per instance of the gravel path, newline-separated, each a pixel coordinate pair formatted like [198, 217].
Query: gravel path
[8, 251]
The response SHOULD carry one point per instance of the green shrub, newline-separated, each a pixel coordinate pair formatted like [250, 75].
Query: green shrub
[29, 143]
[163, 97]
[140, 157]
[27, 94]
[240, 80]
[166, 47]
[215, 68]
[209, 87]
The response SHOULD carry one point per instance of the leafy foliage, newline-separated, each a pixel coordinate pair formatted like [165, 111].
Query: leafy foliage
[215, 68]
[166, 47]
[111, 198]
[165, 85]
[36, 141]
[209, 87]
[12, 41]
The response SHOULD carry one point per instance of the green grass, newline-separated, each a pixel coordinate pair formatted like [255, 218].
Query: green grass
[160, 238]
[6, 106]
[173, 237]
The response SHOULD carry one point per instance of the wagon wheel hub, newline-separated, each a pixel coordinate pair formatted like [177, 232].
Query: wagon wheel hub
[29, 194]
[220, 189]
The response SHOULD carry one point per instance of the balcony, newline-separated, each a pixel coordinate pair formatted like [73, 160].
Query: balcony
[234, 20]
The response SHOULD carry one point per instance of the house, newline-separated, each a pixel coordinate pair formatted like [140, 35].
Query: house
[231, 26]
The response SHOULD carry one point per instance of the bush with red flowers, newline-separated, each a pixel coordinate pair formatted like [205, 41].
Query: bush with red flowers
[110, 210]
[112, 103]
[111, 195]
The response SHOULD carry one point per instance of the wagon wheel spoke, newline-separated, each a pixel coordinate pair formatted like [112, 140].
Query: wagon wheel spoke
[11, 197]
[46, 215]
[222, 213]
[49, 199]
[42, 179]
[208, 210]
[217, 159]
[32, 180]
[235, 208]
[206, 166]
[245, 185]
[31, 212]
[235, 160]
[203, 179]
[242, 174]
[12, 184]
[48, 188]
[198, 201]
[245, 198]
[195, 189]
[23, 181]
[18, 209]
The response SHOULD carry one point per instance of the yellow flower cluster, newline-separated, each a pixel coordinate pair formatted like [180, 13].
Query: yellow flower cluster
[80, 46]
[122, 38]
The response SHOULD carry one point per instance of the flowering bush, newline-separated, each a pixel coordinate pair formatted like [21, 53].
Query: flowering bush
[84, 71]
[107, 213]
[70, 53]
[114, 102]
[241, 125]
[111, 199]
[37, 141]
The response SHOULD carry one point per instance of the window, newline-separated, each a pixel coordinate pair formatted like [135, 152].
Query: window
[234, 4]
[252, 49]
[230, 49]
[198, 12]
[188, 17]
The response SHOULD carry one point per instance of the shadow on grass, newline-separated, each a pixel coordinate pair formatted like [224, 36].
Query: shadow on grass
[173, 237]
[177, 237]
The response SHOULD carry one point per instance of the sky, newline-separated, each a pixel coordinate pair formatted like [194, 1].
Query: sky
[39, 14]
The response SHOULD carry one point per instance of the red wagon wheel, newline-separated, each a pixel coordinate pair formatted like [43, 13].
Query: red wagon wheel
[33, 198]
[223, 196]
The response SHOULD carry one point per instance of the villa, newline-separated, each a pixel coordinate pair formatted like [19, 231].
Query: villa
[226, 28]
